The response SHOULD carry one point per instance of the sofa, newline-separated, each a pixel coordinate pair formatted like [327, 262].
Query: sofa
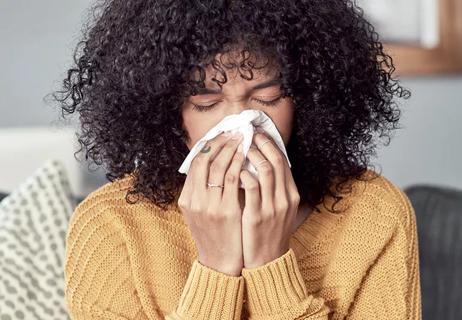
[439, 224]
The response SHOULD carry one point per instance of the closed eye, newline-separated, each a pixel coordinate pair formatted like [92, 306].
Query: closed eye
[201, 108]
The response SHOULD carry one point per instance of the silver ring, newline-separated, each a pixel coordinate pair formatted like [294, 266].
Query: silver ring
[215, 185]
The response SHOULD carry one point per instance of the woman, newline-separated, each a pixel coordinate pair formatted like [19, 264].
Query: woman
[328, 238]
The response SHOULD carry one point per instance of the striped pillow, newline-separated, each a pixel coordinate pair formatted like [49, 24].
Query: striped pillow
[33, 223]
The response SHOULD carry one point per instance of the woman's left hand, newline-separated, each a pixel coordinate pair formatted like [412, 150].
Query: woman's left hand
[271, 204]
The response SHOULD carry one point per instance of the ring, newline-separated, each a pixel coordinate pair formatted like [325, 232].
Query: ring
[214, 185]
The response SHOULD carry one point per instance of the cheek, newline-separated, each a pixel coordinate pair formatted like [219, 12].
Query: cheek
[188, 125]
[197, 124]
[283, 118]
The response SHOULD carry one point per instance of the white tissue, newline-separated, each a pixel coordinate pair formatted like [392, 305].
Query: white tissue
[245, 122]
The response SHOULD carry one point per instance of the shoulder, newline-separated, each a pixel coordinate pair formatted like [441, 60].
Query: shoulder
[95, 230]
[97, 259]
[392, 202]
[109, 193]
[100, 210]
[375, 247]
[375, 197]
[376, 211]
[106, 210]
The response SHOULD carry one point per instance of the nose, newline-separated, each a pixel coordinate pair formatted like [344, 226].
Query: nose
[237, 107]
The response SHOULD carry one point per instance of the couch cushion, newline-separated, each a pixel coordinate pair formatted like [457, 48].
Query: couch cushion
[33, 224]
[439, 223]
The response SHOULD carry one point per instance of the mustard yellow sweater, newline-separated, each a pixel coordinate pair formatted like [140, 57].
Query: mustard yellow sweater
[137, 262]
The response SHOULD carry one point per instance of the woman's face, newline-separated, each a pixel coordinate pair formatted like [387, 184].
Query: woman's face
[237, 94]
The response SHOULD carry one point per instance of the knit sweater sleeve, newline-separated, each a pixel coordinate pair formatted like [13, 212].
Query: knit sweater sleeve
[210, 294]
[276, 290]
[99, 283]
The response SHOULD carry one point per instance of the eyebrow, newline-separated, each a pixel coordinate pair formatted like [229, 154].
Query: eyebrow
[265, 84]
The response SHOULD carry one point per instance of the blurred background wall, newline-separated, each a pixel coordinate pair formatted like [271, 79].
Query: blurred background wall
[36, 47]
[37, 41]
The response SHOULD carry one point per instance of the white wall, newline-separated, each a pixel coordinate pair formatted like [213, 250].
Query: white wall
[429, 147]
[36, 43]
[38, 38]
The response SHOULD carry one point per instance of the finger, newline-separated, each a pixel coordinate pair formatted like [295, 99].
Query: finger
[232, 177]
[251, 189]
[184, 199]
[265, 176]
[201, 162]
[271, 151]
[219, 167]
[289, 177]
[291, 185]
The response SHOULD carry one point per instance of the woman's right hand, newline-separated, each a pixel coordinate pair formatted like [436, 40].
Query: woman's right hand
[213, 214]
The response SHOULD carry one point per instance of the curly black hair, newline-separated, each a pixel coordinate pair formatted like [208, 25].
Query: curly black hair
[133, 69]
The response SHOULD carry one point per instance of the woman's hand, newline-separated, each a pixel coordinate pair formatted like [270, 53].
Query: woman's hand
[213, 213]
[271, 204]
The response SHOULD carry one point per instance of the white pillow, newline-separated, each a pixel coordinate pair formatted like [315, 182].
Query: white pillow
[33, 223]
